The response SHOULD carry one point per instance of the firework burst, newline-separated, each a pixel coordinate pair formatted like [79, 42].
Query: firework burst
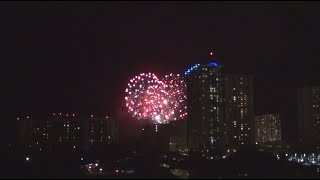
[147, 97]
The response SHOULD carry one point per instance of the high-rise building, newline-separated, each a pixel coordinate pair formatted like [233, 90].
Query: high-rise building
[267, 128]
[309, 114]
[239, 114]
[205, 107]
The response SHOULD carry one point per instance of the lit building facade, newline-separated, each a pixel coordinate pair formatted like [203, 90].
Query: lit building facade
[63, 130]
[205, 107]
[309, 115]
[267, 128]
[71, 131]
[101, 131]
[239, 113]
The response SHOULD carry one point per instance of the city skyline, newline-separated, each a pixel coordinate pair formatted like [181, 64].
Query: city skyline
[160, 89]
[81, 57]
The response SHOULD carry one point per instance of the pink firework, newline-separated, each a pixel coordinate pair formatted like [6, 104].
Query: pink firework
[143, 96]
[175, 88]
[161, 101]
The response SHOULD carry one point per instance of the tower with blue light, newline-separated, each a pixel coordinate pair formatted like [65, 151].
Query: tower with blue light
[205, 106]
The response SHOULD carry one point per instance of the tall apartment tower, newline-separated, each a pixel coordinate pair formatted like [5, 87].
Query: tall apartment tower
[309, 114]
[239, 113]
[205, 107]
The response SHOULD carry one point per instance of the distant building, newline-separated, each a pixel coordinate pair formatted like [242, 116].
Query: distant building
[177, 144]
[173, 136]
[309, 115]
[101, 131]
[63, 130]
[205, 107]
[24, 125]
[149, 136]
[268, 128]
[68, 131]
[239, 114]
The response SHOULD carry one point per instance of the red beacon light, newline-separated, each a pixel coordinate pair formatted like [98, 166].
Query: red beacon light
[18, 119]
[67, 115]
[54, 114]
[73, 115]
[91, 115]
[107, 117]
[60, 114]
[27, 117]
[212, 53]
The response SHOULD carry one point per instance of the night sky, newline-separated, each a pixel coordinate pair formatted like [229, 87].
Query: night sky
[78, 57]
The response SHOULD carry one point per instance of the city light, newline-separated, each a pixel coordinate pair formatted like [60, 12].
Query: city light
[191, 69]
[27, 159]
[214, 64]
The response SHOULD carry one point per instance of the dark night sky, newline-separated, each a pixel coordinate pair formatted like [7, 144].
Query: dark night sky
[78, 57]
